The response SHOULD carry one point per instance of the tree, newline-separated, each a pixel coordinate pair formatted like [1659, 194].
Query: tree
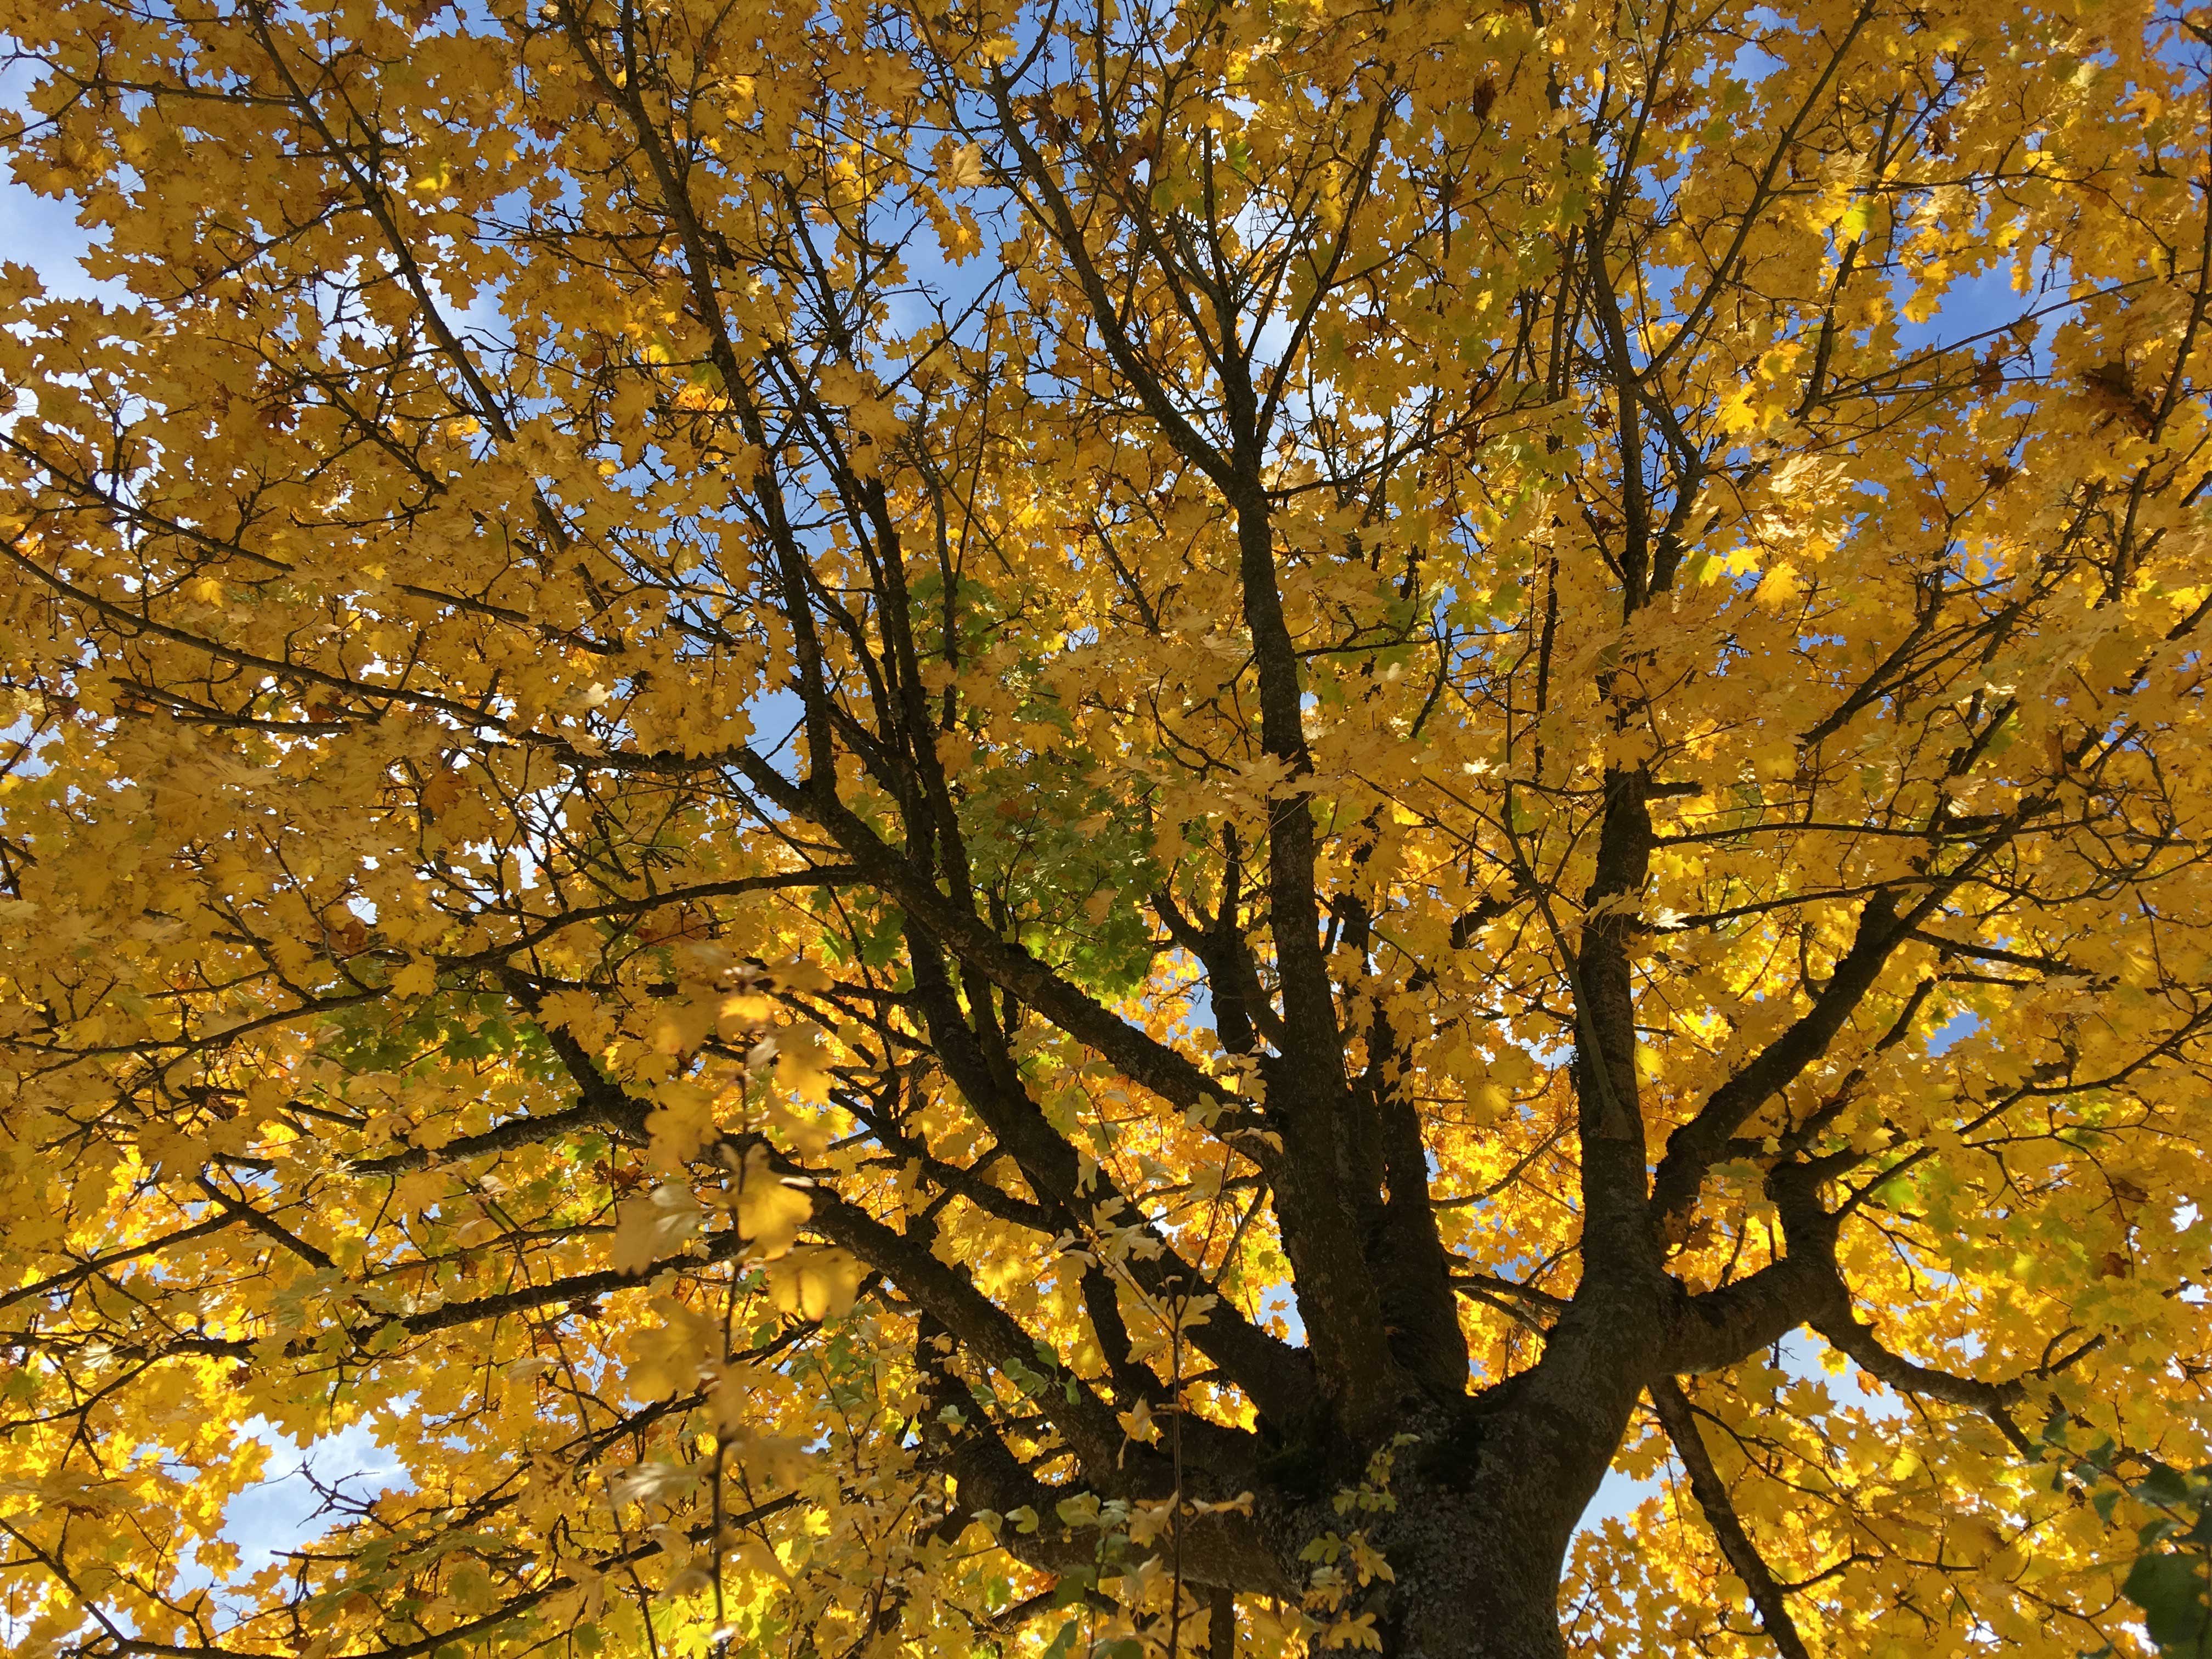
[941, 829]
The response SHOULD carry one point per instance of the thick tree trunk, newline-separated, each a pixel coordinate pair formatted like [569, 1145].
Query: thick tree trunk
[1485, 1506]
[1474, 1590]
[1476, 1577]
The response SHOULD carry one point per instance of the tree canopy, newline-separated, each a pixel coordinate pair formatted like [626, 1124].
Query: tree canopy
[939, 827]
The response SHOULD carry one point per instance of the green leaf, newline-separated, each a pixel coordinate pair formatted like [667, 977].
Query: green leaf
[2170, 1590]
[2163, 1485]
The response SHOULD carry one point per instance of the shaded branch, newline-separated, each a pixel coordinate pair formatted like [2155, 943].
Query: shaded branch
[1680, 1422]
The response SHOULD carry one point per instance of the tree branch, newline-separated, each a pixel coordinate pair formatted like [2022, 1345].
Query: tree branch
[1680, 1422]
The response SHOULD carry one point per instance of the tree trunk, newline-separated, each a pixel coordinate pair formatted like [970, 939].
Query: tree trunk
[1484, 1511]
[1475, 1580]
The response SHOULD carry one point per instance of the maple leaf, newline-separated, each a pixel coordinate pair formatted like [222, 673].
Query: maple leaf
[961, 168]
[649, 1228]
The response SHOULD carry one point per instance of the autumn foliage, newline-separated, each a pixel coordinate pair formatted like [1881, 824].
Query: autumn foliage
[938, 828]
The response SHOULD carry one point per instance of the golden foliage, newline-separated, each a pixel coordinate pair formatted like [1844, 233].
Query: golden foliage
[932, 826]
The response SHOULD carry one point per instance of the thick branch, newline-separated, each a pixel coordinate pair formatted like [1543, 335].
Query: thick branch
[1693, 1148]
[1680, 1422]
[1993, 1400]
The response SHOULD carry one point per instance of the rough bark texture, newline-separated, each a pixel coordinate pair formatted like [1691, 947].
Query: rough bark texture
[1485, 1514]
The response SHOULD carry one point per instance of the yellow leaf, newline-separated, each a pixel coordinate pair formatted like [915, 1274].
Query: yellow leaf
[770, 1211]
[802, 1063]
[652, 1228]
[815, 1282]
[961, 168]
[416, 979]
[1779, 588]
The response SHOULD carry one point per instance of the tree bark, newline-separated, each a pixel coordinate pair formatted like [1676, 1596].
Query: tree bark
[1477, 1573]
[1487, 1502]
